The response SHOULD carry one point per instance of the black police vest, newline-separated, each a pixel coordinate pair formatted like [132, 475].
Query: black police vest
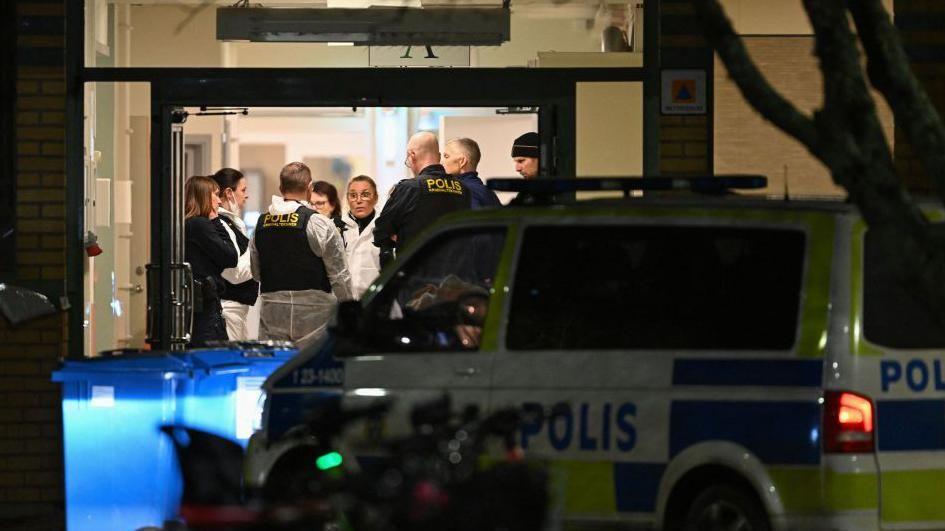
[244, 292]
[286, 262]
[440, 194]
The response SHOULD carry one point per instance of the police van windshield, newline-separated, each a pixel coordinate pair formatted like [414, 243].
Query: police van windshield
[439, 298]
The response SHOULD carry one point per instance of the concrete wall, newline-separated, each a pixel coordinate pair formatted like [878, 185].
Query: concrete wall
[609, 137]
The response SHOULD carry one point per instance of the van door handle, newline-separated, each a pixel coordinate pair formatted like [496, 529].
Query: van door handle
[466, 371]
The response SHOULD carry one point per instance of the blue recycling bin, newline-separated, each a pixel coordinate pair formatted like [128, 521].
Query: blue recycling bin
[120, 471]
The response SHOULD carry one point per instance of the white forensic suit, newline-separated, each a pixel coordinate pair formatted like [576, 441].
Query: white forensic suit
[299, 315]
[364, 260]
[235, 313]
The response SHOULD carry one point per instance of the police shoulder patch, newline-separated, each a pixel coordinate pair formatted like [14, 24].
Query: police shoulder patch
[441, 185]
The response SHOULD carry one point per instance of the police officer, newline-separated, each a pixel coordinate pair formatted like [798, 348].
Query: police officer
[299, 260]
[461, 158]
[414, 204]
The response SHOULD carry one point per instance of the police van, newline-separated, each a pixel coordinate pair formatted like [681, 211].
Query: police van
[729, 362]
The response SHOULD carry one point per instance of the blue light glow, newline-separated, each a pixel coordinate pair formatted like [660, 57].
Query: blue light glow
[115, 304]
[112, 410]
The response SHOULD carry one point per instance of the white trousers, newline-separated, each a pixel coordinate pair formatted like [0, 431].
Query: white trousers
[298, 316]
[234, 314]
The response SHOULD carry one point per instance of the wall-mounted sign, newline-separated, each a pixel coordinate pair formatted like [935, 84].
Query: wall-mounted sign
[683, 92]
[418, 55]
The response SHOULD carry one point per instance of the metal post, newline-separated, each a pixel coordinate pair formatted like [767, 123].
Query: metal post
[651, 88]
[75, 192]
[181, 276]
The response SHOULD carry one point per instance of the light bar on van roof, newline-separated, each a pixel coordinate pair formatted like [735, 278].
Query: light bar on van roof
[701, 184]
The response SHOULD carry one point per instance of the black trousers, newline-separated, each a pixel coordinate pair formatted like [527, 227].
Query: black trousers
[208, 326]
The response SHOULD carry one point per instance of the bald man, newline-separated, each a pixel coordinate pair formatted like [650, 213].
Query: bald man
[414, 204]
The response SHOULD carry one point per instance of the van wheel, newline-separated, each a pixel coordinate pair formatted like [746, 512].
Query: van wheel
[726, 508]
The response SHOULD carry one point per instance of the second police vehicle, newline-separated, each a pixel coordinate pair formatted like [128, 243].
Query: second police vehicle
[726, 360]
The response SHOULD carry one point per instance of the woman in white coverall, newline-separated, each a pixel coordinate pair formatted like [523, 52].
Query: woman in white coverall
[241, 290]
[363, 256]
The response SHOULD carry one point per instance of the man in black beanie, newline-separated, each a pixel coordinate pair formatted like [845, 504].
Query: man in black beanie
[525, 153]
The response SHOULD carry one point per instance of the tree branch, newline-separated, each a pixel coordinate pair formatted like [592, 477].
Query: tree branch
[834, 47]
[889, 71]
[849, 118]
[846, 134]
[754, 87]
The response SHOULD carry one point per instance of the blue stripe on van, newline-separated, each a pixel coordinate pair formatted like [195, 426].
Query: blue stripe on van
[910, 425]
[784, 432]
[733, 372]
[636, 485]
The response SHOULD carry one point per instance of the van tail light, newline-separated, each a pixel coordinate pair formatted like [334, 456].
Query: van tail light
[848, 423]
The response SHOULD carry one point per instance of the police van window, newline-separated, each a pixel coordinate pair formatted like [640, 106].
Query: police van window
[651, 287]
[438, 299]
[892, 315]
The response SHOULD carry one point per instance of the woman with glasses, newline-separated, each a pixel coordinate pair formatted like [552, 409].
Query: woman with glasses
[325, 200]
[364, 261]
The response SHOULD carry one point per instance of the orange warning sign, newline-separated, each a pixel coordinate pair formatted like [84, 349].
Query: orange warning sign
[684, 91]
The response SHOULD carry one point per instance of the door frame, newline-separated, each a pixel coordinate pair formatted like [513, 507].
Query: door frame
[552, 90]
[384, 86]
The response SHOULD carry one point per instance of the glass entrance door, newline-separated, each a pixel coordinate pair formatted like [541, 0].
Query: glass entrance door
[116, 221]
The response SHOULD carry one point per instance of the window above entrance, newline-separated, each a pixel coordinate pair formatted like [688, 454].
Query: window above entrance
[188, 33]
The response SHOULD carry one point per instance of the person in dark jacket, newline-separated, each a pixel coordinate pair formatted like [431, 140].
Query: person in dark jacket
[526, 154]
[208, 250]
[461, 158]
[526, 151]
[414, 204]
[241, 290]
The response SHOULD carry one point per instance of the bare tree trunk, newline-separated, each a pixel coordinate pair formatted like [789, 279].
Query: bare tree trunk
[846, 135]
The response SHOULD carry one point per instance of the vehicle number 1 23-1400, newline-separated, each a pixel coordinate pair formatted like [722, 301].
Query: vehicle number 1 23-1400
[324, 376]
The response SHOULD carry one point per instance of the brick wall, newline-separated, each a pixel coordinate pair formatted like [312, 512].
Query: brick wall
[684, 140]
[746, 143]
[920, 22]
[31, 485]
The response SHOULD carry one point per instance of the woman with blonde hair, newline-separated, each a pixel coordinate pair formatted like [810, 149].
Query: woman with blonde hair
[208, 250]
[363, 256]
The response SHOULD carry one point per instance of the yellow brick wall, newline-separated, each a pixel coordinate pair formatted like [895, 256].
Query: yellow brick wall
[684, 140]
[747, 143]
